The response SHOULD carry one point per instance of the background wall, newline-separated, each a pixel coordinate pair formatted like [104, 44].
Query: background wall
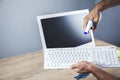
[18, 26]
[109, 27]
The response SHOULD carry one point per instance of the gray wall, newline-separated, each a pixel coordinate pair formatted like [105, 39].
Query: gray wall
[109, 27]
[18, 26]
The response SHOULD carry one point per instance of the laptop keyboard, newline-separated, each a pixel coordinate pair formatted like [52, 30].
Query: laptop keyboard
[65, 57]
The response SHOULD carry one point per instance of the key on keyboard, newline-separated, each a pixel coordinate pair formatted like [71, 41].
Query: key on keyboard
[65, 57]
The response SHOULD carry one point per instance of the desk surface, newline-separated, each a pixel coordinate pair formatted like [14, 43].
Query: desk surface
[30, 67]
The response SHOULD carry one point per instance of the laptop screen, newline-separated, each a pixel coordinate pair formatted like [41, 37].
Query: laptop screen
[65, 31]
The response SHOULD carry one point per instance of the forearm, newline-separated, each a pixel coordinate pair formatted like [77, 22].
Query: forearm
[105, 4]
[101, 74]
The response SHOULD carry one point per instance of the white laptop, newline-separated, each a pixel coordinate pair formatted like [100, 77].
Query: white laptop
[63, 32]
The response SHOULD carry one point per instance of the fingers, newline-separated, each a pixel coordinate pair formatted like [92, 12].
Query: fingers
[74, 66]
[79, 64]
[95, 16]
[78, 70]
[95, 22]
[80, 67]
[94, 26]
[81, 70]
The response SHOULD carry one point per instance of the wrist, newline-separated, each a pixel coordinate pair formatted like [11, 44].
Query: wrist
[101, 6]
[98, 8]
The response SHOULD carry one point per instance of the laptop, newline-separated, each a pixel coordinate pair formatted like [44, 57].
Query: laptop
[63, 30]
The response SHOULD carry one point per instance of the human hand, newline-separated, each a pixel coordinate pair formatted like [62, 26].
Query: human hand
[95, 16]
[83, 67]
